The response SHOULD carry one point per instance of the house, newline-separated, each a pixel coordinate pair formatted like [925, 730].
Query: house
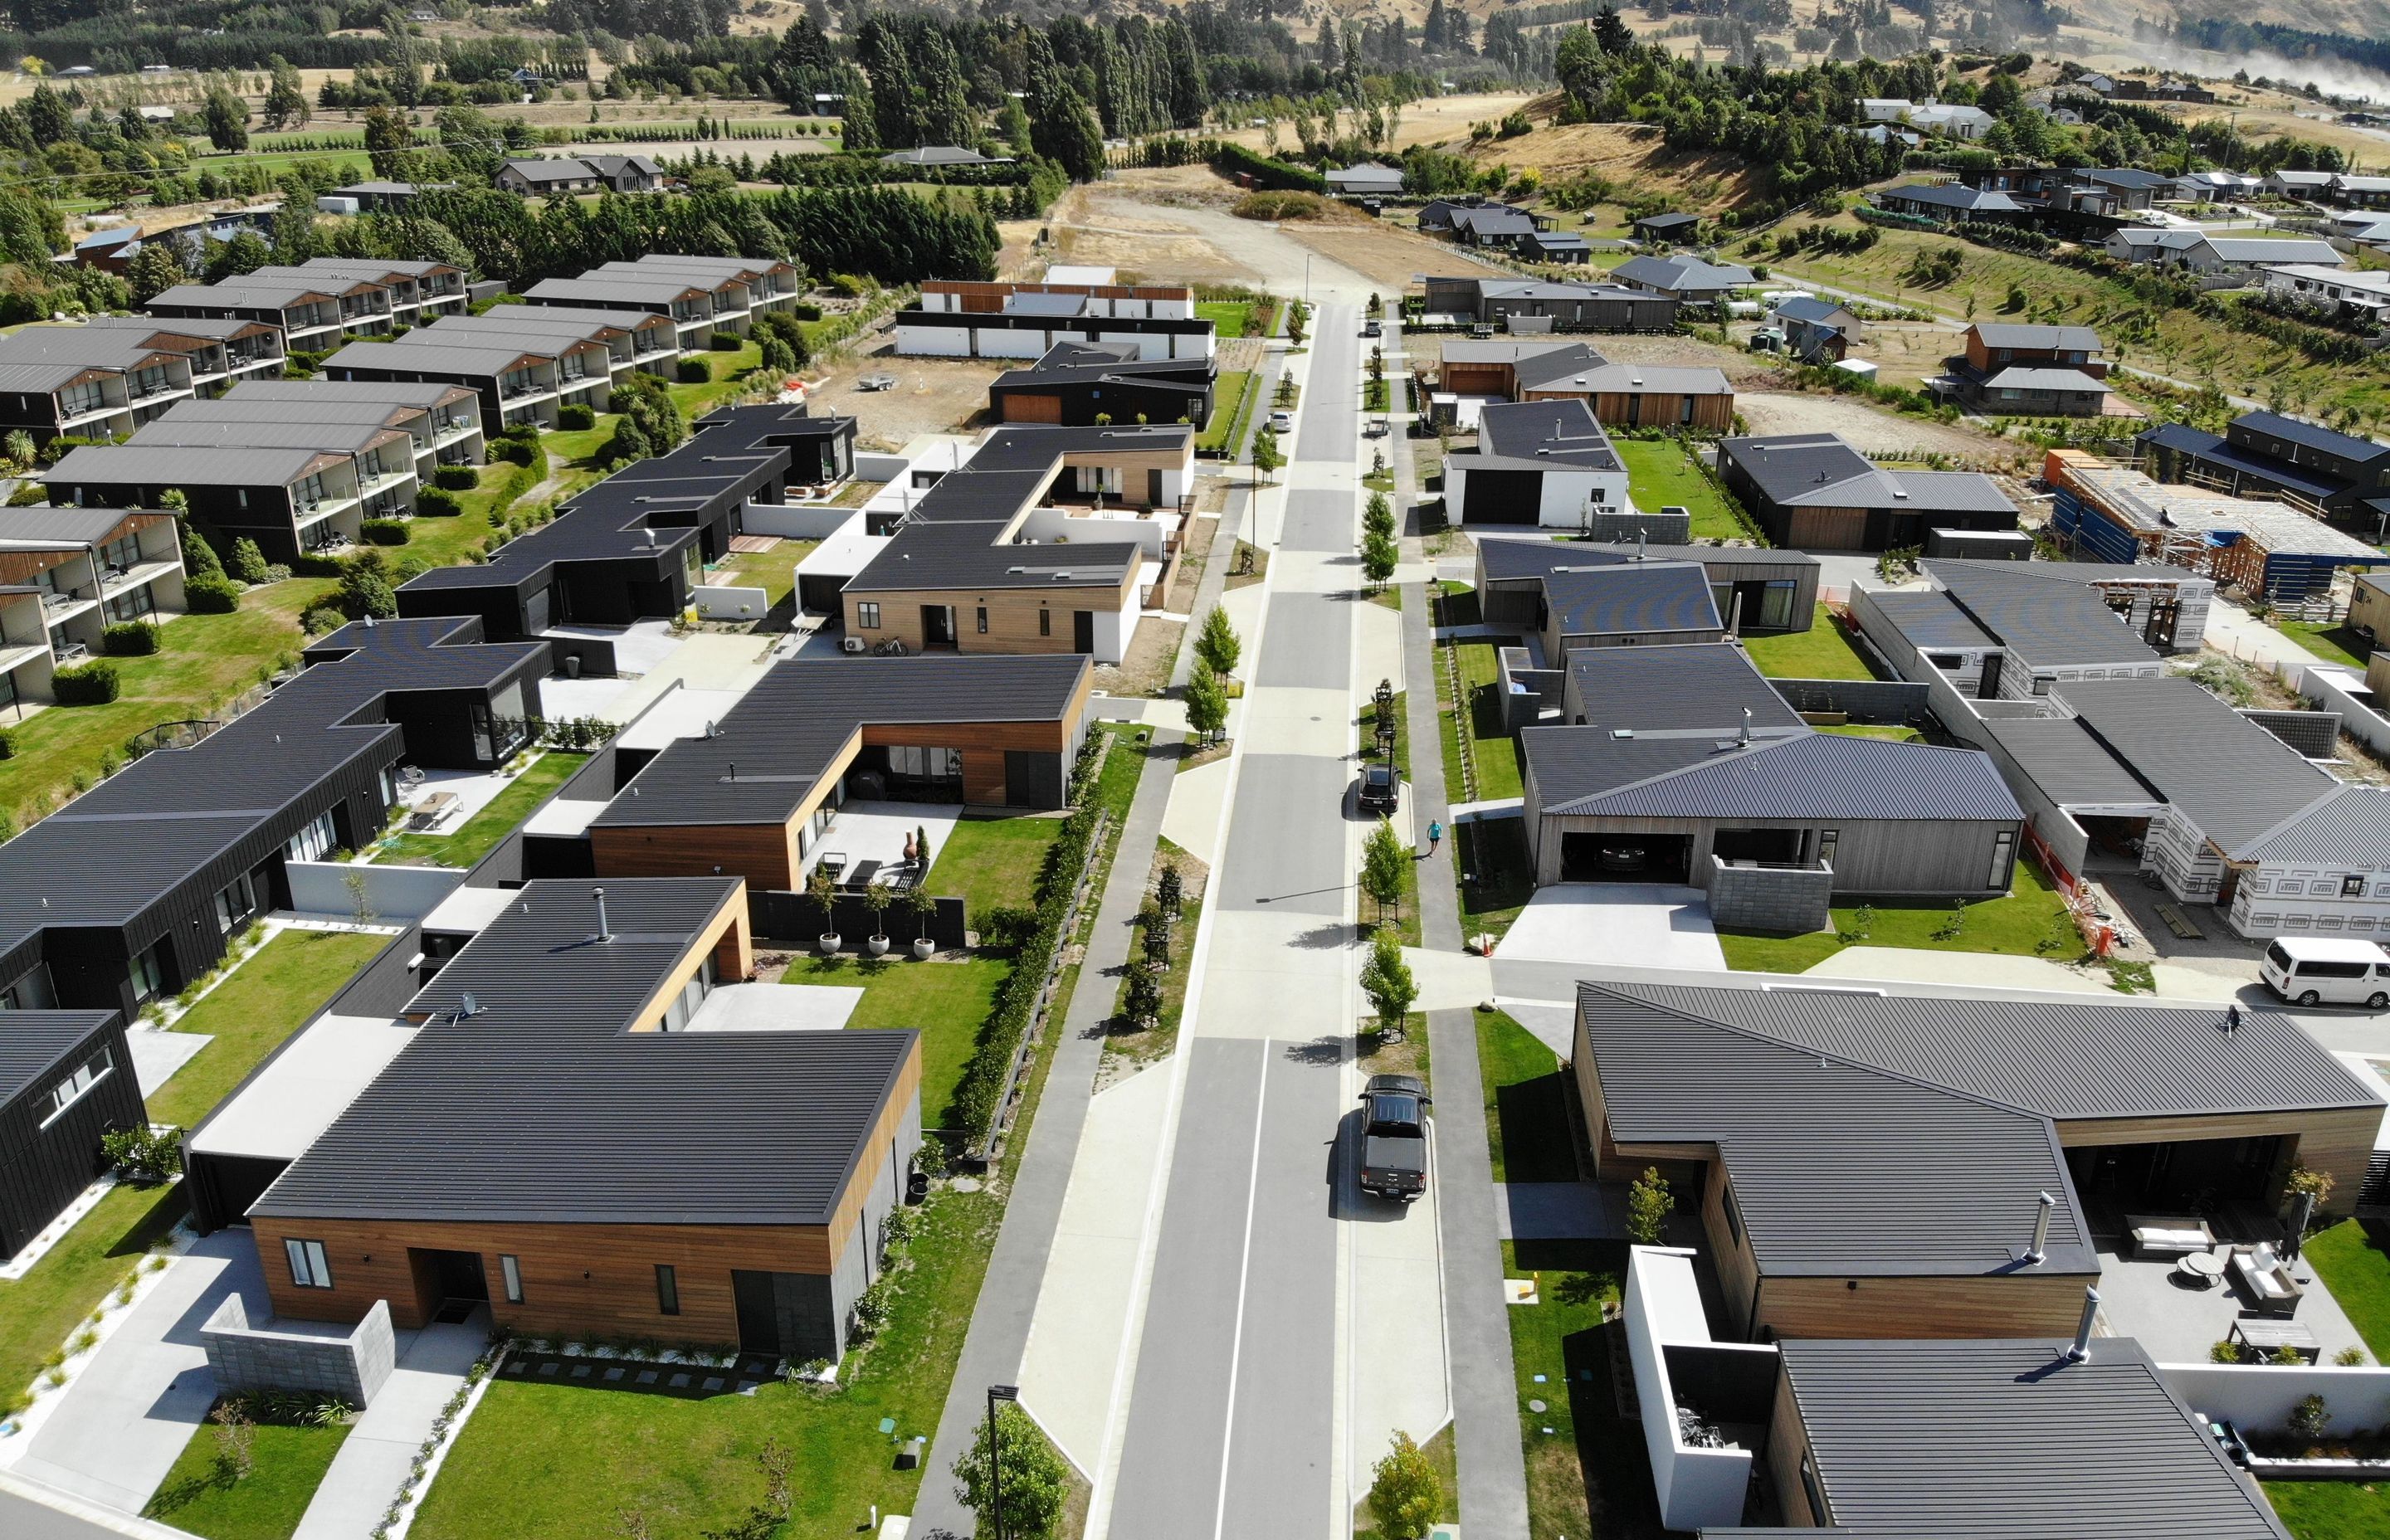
[591, 348]
[1755, 588]
[2301, 185]
[1369, 180]
[1647, 603]
[1078, 382]
[314, 316]
[66, 576]
[769, 283]
[1953, 121]
[65, 1080]
[113, 248]
[730, 288]
[1947, 201]
[996, 558]
[2211, 186]
[633, 1223]
[693, 302]
[942, 157]
[1875, 1164]
[538, 178]
[1682, 278]
[2267, 453]
[377, 196]
[2020, 370]
[1884, 133]
[1496, 226]
[2259, 544]
[2361, 298]
[418, 291]
[1620, 395]
[1547, 245]
[91, 385]
[130, 892]
[1570, 306]
[2057, 190]
[2360, 192]
[1816, 331]
[2368, 607]
[1885, 109]
[291, 498]
[2142, 245]
[2095, 82]
[518, 379]
[1542, 462]
[1028, 320]
[983, 731]
[1815, 491]
[1666, 229]
[444, 420]
[380, 457]
[222, 352]
[2229, 255]
[1436, 216]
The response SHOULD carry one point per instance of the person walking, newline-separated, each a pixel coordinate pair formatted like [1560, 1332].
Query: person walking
[1435, 835]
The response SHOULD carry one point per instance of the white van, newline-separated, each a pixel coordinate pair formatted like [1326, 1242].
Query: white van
[2311, 971]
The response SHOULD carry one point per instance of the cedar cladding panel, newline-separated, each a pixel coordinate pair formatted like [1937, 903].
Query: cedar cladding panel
[2338, 1141]
[1476, 379]
[1788, 1440]
[1012, 615]
[1712, 414]
[2044, 1305]
[1026, 406]
[765, 855]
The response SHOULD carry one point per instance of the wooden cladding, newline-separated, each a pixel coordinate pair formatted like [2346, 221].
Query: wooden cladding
[1012, 622]
[1703, 412]
[765, 855]
[2045, 1305]
[2336, 1141]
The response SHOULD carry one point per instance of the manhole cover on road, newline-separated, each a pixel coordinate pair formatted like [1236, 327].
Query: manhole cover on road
[1534, 1405]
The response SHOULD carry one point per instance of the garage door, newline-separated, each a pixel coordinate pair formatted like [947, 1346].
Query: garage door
[1626, 857]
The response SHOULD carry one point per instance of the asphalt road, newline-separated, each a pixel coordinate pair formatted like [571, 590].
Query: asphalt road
[1234, 1411]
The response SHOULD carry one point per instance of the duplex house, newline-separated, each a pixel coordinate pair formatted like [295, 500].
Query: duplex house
[314, 315]
[66, 1082]
[1570, 306]
[1546, 463]
[1682, 277]
[1880, 1164]
[291, 499]
[2018, 370]
[1815, 491]
[67, 575]
[85, 385]
[589, 1201]
[955, 319]
[518, 377]
[1620, 395]
[694, 301]
[1076, 383]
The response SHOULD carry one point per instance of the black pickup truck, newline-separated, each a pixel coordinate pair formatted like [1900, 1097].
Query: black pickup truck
[1394, 1137]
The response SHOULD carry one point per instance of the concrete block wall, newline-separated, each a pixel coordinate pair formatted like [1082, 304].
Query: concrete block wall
[1876, 700]
[1797, 899]
[250, 1360]
[2314, 734]
[1664, 526]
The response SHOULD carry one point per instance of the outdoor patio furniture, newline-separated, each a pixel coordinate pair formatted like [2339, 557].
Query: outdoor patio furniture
[864, 872]
[2265, 1278]
[2166, 1236]
[2270, 1336]
[2200, 1269]
[834, 862]
[431, 810]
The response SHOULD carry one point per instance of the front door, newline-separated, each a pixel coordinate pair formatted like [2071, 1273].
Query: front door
[448, 1284]
[1083, 631]
[937, 625]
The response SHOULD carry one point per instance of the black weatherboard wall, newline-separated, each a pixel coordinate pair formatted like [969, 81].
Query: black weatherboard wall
[48, 1155]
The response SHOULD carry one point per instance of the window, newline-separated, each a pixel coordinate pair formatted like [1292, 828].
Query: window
[983, 619]
[2352, 887]
[510, 1272]
[30, 991]
[1826, 839]
[667, 1289]
[311, 842]
[866, 615]
[67, 1092]
[309, 1268]
[148, 978]
[235, 904]
[2003, 859]
[1045, 623]
[1810, 1489]
[121, 554]
[1733, 1214]
[132, 606]
[76, 399]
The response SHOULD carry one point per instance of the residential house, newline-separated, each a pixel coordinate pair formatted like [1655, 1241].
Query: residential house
[2212, 187]
[289, 498]
[1951, 120]
[2259, 544]
[1436, 216]
[2357, 298]
[1544, 463]
[2301, 185]
[2266, 452]
[66, 576]
[2368, 607]
[1880, 1164]
[112, 249]
[1569, 306]
[771, 284]
[90, 385]
[1496, 226]
[635, 341]
[2147, 245]
[1885, 134]
[380, 197]
[2360, 192]
[1620, 395]
[418, 291]
[1369, 180]
[65, 1080]
[1683, 277]
[1666, 229]
[1076, 383]
[1816, 331]
[580, 173]
[1647, 603]
[314, 316]
[1554, 246]
[380, 459]
[2059, 190]
[2011, 370]
[1024, 320]
[444, 420]
[1815, 491]
[222, 352]
[519, 377]
[1758, 589]
[696, 303]
[1947, 201]
[942, 157]
[2251, 255]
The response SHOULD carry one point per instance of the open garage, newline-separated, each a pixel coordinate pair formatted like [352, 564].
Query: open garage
[1599, 856]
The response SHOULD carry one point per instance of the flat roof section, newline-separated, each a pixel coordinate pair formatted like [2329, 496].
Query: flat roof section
[287, 1106]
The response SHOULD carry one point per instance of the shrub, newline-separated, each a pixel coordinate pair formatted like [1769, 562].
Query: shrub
[437, 502]
[2224, 1351]
[573, 416]
[130, 639]
[8, 744]
[211, 596]
[455, 478]
[383, 531]
[724, 342]
[29, 494]
[805, 310]
[143, 1154]
[364, 591]
[93, 683]
[2309, 1418]
[518, 451]
[694, 371]
[322, 618]
[249, 562]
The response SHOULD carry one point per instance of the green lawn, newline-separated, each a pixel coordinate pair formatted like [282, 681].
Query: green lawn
[259, 1004]
[202, 1495]
[1494, 851]
[1661, 473]
[729, 372]
[1229, 318]
[203, 661]
[1526, 1104]
[989, 863]
[38, 1311]
[1891, 735]
[1586, 1471]
[775, 571]
[1493, 752]
[1820, 652]
[2353, 1258]
[2033, 914]
[477, 835]
[2331, 1511]
[2333, 644]
[1232, 399]
[566, 1462]
[948, 1002]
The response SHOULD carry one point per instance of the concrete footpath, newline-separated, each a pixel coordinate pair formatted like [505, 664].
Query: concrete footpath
[993, 1349]
[379, 1450]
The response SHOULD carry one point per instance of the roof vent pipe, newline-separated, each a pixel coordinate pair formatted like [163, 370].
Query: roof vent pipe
[1641, 535]
[604, 932]
[1744, 741]
[2039, 1251]
[2082, 1345]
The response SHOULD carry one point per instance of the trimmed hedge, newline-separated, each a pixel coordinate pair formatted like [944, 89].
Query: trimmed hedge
[457, 478]
[574, 416]
[724, 342]
[8, 744]
[211, 596]
[130, 639]
[94, 684]
[520, 451]
[437, 501]
[383, 531]
[1230, 160]
[694, 371]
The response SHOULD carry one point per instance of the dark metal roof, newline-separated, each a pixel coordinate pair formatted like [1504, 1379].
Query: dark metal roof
[69, 524]
[542, 962]
[1631, 598]
[1697, 686]
[764, 757]
[2187, 439]
[1505, 558]
[36, 1044]
[1681, 273]
[2060, 756]
[2016, 335]
[2011, 1440]
[479, 1124]
[171, 465]
[1543, 435]
[1930, 617]
[2309, 435]
[1840, 1170]
[2349, 828]
[2063, 1058]
[1795, 469]
[2048, 624]
[2230, 777]
[1818, 776]
[1949, 195]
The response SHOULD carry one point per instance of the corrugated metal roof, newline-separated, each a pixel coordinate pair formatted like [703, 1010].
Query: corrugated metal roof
[67, 522]
[467, 357]
[2010, 1439]
[1545, 434]
[2349, 829]
[1631, 598]
[2061, 1058]
[2048, 624]
[1681, 273]
[421, 394]
[1697, 686]
[2069, 766]
[2016, 335]
[1929, 618]
[147, 465]
[2227, 774]
[1795, 469]
[2309, 435]
[542, 962]
[2051, 377]
[1511, 557]
[36, 1044]
[1820, 775]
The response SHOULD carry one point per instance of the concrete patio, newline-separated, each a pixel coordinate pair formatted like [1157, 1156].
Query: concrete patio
[2146, 1298]
[1648, 924]
[864, 831]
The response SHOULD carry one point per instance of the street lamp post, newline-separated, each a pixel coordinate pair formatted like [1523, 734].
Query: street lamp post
[1307, 277]
[994, 1474]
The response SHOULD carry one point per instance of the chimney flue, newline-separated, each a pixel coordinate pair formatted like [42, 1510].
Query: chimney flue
[2082, 1348]
[604, 932]
[1744, 741]
[2040, 1250]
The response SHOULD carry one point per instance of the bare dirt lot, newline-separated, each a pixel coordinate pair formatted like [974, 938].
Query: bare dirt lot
[1423, 123]
[932, 395]
[1870, 429]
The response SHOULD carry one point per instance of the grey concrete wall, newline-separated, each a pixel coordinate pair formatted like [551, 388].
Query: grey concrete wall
[1866, 700]
[1795, 899]
[2314, 734]
[249, 1360]
[1527, 691]
[1662, 526]
[393, 893]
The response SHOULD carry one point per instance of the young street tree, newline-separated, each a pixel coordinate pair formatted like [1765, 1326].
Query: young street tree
[1207, 706]
[1380, 557]
[1649, 1204]
[1266, 458]
[1030, 1477]
[1407, 1494]
[1217, 645]
[1387, 980]
[1383, 862]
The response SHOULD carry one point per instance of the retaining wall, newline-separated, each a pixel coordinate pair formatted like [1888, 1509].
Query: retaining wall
[731, 604]
[806, 520]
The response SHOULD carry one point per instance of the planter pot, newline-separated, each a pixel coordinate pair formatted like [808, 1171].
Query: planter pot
[876, 946]
[829, 942]
[924, 948]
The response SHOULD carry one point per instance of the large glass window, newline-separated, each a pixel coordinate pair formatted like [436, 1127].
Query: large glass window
[309, 1266]
[314, 842]
[30, 991]
[667, 1289]
[510, 1273]
[76, 399]
[148, 976]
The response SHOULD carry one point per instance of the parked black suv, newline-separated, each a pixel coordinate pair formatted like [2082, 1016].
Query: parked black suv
[1394, 1137]
[1380, 788]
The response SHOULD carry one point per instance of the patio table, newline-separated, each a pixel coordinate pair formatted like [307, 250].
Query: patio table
[2203, 1269]
[2266, 1336]
[864, 872]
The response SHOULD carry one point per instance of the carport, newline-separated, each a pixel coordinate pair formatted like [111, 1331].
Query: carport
[1603, 857]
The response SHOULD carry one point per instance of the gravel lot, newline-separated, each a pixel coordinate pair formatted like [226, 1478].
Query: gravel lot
[1869, 429]
[932, 395]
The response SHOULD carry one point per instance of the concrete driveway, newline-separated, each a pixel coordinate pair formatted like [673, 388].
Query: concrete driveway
[1645, 925]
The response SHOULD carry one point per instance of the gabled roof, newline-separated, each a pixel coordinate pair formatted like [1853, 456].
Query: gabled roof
[2311, 435]
[1949, 195]
[2047, 379]
[1631, 598]
[1542, 435]
[38, 1046]
[1668, 221]
[2270, 250]
[151, 464]
[1822, 469]
[1493, 222]
[2348, 827]
[1701, 689]
[570, 168]
[2072, 768]
[2048, 622]
[1512, 557]
[2036, 338]
[2230, 777]
[1802, 308]
[1810, 776]
[1681, 273]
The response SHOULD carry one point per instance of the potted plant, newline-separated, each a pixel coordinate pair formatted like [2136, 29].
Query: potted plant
[921, 906]
[823, 891]
[876, 897]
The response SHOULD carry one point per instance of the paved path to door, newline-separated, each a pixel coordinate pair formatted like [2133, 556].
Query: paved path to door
[381, 1449]
[1642, 925]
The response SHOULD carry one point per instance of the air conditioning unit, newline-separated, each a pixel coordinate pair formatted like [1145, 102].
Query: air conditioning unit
[851, 644]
